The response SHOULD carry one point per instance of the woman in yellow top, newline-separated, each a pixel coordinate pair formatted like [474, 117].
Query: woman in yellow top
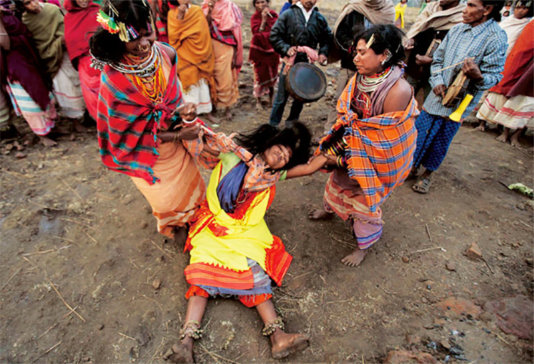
[400, 8]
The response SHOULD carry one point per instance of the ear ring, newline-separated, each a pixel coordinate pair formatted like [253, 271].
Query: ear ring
[388, 56]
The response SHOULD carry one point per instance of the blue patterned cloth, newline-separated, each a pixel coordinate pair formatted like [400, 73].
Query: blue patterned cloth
[434, 136]
[486, 43]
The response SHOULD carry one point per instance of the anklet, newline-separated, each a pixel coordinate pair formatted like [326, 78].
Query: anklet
[269, 329]
[191, 329]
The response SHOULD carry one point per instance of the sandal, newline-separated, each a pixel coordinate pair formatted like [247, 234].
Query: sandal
[422, 186]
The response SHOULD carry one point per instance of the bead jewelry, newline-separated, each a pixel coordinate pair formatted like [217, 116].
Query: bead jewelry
[191, 329]
[269, 329]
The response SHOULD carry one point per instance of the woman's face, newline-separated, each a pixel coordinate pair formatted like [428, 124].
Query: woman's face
[475, 12]
[141, 46]
[367, 62]
[32, 6]
[277, 156]
[82, 3]
[261, 4]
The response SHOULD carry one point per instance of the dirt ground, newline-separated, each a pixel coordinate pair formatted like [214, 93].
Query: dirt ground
[86, 278]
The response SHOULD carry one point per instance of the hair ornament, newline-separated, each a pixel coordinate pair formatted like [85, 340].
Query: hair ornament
[370, 41]
[107, 22]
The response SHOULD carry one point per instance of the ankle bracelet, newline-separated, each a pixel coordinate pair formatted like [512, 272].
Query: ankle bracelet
[270, 328]
[191, 329]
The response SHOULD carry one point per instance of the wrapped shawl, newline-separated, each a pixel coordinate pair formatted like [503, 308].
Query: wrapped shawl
[433, 17]
[47, 28]
[192, 41]
[260, 44]
[517, 75]
[80, 24]
[228, 17]
[376, 11]
[513, 27]
[128, 121]
[23, 63]
[380, 148]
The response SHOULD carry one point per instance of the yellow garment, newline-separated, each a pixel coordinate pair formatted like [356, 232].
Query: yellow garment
[246, 237]
[400, 8]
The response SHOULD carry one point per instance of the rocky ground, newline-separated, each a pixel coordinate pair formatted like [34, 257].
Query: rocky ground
[86, 278]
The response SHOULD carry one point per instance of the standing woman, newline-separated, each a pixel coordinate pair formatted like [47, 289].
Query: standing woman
[225, 18]
[189, 34]
[373, 140]
[262, 55]
[28, 86]
[80, 24]
[139, 97]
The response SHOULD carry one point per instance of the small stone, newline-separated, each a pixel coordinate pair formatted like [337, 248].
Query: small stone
[144, 225]
[529, 261]
[412, 339]
[101, 327]
[474, 252]
[405, 259]
[156, 283]
[445, 344]
[20, 155]
[450, 266]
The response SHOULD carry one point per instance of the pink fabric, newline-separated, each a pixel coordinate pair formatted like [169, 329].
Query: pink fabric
[310, 52]
[227, 16]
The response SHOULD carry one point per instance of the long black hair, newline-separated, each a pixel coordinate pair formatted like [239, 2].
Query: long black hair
[297, 138]
[386, 36]
[496, 11]
[108, 47]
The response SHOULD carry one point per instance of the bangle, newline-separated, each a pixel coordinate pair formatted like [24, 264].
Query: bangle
[175, 137]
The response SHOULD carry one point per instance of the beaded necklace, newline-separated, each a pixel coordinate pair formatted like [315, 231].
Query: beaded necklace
[370, 83]
[151, 84]
[365, 86]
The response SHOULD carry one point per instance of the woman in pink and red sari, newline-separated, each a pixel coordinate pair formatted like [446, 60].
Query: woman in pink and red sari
[80, 24]
[262, 54]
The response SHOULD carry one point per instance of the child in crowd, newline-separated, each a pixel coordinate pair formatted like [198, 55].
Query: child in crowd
[262, 55]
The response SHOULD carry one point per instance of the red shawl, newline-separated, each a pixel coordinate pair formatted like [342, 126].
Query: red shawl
[128, 122]
[260, 40]
[80, 24]
[517, 74]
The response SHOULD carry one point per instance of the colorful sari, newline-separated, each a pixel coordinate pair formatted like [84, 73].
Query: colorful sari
[80, 24]
[378, 156]
[28, 87]
[127, 125]
[232, 251]
[262, 55]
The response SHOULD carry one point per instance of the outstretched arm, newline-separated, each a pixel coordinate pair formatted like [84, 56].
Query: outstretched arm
[314, 164]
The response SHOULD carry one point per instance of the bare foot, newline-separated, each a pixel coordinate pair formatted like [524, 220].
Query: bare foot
[514, 140]
[284, 344]
[481, 126]
[259, 106]
[503, 137]
[355, 258]
[47, 142]
[182, 352]
[319, 214]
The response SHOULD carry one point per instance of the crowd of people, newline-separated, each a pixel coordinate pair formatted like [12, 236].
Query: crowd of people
[146, 70]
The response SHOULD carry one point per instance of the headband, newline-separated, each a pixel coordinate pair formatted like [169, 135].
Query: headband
[110, 22]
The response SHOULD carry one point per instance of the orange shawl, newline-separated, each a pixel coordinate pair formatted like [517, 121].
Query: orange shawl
[192, 40]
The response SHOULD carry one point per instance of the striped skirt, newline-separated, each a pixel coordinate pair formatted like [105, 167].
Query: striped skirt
[345, 197]
[41, 122]
[180, 191]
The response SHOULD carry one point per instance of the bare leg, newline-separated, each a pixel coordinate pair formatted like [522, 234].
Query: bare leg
[78, 127]
[482, 126]
[227, 114]
[504, 135]
[259, 106]
[319, 214]
[514, 139]
[47, 142]
[183, 350]
[282, 344]
[355, 258]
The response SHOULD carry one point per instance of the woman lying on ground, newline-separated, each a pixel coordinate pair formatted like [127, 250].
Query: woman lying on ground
[138, 107]
[233, 253]
[373, 138]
